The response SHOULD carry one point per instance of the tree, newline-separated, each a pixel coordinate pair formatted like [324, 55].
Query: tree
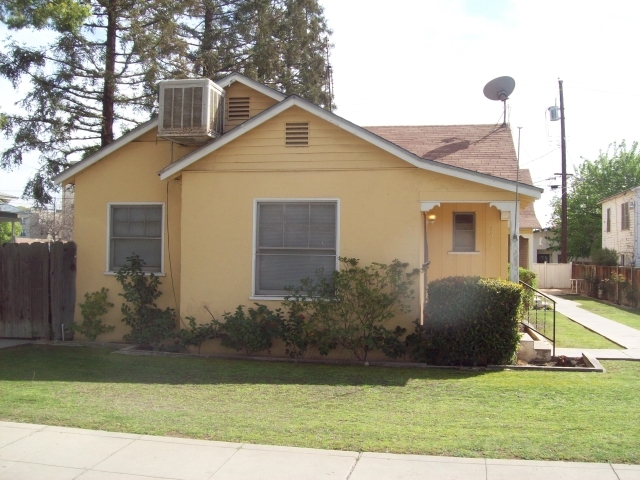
[5, 231]
[94, 79]
[99, 77]
[614, 171]
[55, 222]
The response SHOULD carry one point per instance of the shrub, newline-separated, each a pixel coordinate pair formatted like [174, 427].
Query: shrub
[149, 324]
[604, 256]
[197, 334]
[468, 321]
[253, 332]
[94, 306]
[350, 307]
[297, 333]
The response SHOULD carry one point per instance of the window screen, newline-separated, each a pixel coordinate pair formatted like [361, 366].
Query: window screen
[464, 232]
[608, 219]
[624, 223]
[295, 239]
[136, 229]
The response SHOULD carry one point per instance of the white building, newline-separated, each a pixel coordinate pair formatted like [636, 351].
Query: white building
[620, 225]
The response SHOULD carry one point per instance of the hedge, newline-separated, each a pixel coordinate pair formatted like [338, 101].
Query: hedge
[468, 321]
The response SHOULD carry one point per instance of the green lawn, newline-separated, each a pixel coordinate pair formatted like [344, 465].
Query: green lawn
[570, 334]
[504, 414]
[625, 315]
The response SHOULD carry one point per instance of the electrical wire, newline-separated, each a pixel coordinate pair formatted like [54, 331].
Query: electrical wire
[541, 156]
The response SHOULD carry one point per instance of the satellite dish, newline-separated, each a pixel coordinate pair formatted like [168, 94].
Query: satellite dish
[499, 89]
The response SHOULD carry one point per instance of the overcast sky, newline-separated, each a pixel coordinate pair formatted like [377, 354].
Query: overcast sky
[426, 63]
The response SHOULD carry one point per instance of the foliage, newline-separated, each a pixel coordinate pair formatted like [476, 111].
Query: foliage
[197, 334]
[468, 321]
[95, 305]
[149, 324]
[5, 231]
[350, 307]
[298, 334]
[614, 171]
[252, 332]
[630, 293]
[604, 256]
[98, 76]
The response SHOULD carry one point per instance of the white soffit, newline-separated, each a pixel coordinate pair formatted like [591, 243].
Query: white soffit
[259, 87]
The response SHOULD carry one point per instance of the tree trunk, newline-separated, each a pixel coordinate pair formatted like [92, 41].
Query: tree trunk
[208, 38]
[108, 94]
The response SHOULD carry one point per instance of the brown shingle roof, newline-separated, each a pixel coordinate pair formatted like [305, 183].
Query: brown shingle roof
[482, 148]
[528, 218]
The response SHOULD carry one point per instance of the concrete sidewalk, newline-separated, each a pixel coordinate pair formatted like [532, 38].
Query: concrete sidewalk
[36, 451]
[625, 336]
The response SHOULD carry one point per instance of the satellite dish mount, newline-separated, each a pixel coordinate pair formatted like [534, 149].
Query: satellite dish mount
[499, 89]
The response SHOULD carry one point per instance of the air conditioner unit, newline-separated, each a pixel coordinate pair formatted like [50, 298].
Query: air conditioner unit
[191, 111]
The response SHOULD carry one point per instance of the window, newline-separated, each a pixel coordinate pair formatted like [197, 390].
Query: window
[293, 241]
[624, 216]
[608, 219]
[464, 232]
[135, 228]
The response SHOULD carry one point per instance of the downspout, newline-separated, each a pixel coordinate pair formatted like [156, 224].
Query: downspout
[426, 262]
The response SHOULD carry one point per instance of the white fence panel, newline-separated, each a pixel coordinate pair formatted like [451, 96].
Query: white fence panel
[553, 275]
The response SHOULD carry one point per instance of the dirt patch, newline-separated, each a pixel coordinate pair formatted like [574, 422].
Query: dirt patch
[561, 361]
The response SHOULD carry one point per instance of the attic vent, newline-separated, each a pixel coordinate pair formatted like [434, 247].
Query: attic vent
[296, 134]
[182, 108]
[238, 108]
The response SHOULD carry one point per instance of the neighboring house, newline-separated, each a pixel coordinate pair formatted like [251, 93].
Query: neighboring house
[542, 245]
[11, 213]
[620, 225]
[528, 224]
[283, 191]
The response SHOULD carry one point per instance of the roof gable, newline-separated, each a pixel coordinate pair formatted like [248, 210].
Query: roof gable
[259, 87]
[390, 147]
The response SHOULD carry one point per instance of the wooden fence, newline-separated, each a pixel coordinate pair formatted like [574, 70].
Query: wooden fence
[37, 289]
[615, 284]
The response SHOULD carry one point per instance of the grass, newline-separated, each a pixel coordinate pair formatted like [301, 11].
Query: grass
[505, 414]
[570, 334]
[625, 315]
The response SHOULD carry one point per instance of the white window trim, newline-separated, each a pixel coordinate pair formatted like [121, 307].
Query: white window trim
[161, 273]
[254, 295]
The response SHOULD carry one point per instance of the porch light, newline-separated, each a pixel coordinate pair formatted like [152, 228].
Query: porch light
[431, 218]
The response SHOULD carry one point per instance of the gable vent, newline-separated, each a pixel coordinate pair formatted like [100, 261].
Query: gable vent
[296, 134]
[238, 108]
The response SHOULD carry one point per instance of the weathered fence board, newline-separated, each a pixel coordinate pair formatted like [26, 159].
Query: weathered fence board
[63, 286]
[37, 284]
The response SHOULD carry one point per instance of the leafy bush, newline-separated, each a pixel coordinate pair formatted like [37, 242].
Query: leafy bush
[604, 256]
[468, 321]
[94, 306]
[350, 307]
[253, 332]
[149, 324]
[297, 333]
[197, 334]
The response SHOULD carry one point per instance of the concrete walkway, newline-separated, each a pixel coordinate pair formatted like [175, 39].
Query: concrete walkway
[30, 451]
[625, 336]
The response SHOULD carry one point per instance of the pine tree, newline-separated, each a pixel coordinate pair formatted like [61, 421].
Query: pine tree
[98, 78]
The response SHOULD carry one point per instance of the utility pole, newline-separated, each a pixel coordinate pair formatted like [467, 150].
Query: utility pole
[563, 235]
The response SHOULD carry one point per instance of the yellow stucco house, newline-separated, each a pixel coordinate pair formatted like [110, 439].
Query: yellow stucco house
[284, 188]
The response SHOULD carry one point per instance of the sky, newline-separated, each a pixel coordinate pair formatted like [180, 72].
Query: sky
[426, 63]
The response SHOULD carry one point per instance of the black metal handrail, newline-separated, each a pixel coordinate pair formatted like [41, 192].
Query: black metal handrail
[535, 313]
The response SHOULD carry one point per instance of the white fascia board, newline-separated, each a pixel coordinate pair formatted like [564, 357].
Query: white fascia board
[103, 152]
[237, 77]
[360, 132]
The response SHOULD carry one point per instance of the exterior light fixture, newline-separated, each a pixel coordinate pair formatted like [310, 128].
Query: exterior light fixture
[431, 218]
